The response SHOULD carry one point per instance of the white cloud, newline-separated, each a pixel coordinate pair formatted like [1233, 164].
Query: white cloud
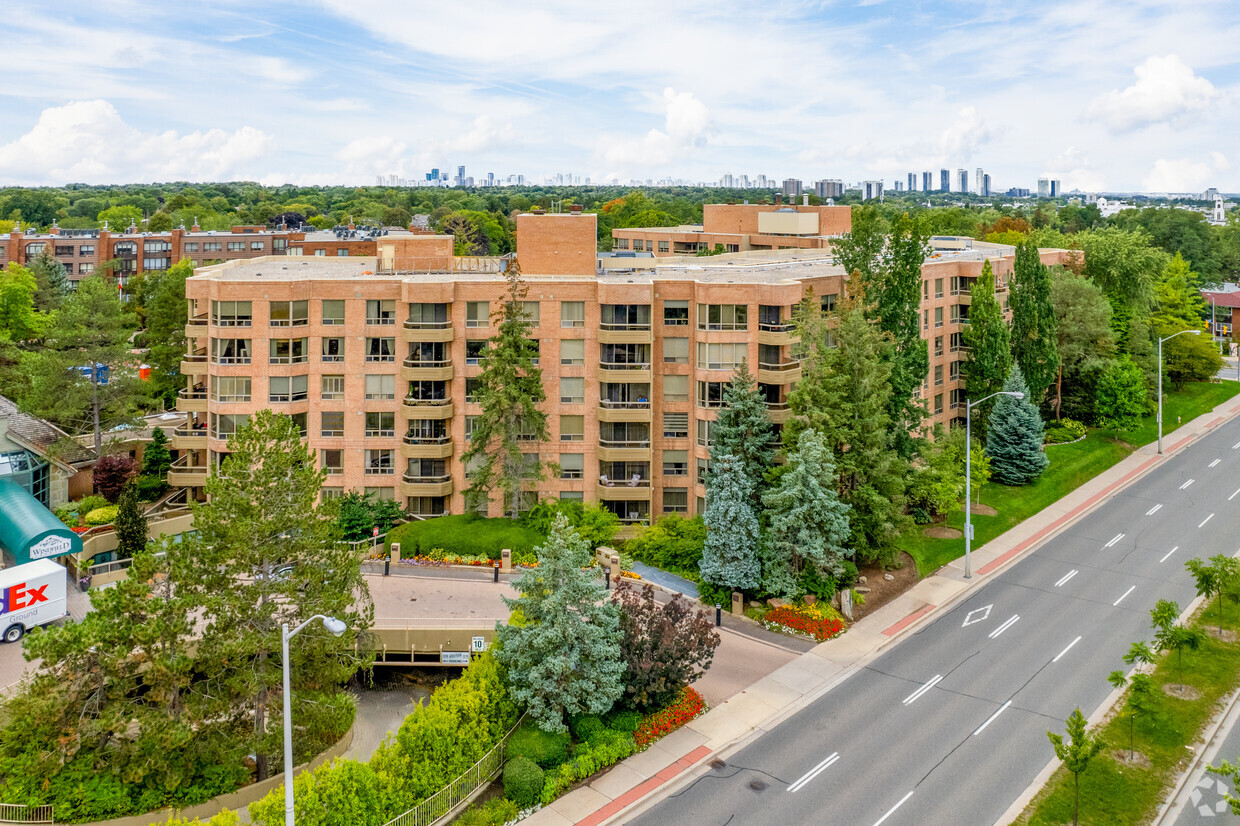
[1184, 174]
[1165, 88]
[687, 125]
[374, 155]
[1075, 170]
[483, 135]
[969, 132]
[88, 142]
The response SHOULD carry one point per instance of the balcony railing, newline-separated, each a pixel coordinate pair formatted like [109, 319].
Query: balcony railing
[427, 440]
[190, 431]
[427, 325]
[193, 395]
[617, 365]
[195, 358]
[607, 482]
[228, 360]
[777, 405]
[638, 443]
[781, 327]
[198, 320]
[381, 320]
[783, 365]
[640, 404]
[427, 480]
[612, 326]
[427, 363]
[416, 402]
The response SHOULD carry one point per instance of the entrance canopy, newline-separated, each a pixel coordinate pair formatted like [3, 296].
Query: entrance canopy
[30, 531]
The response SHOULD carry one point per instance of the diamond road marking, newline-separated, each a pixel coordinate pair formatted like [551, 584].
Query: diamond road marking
[970, 619]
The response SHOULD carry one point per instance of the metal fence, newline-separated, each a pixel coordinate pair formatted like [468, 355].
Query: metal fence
[20, 813]
[435, 807]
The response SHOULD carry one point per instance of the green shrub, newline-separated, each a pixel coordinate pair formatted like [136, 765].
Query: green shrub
[609, 751]
[594, 523]
[585, 725]
[673, 544]
[547, 749]
[89, 503]
[625, 721]
[495, 812]
[346, 790]
[1064, 430]
[464, 535]
[101, 516]
[67, 513]
[523, 781]
[150, 488]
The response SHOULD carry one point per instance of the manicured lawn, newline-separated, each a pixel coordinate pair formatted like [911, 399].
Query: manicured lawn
[1115, 792]
[1071, 466]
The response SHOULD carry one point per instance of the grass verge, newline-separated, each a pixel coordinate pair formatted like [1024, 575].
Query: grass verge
[1071, 466]
[1114, 792]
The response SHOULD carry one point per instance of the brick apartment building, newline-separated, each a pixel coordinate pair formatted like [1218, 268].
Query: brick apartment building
[82, 251]
[742, 228]
[374, 356]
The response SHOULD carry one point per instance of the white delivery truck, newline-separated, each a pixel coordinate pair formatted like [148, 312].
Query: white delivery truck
[31, 595]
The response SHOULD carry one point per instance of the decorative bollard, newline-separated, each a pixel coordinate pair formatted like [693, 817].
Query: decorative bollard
[718, 615]
[496, 572]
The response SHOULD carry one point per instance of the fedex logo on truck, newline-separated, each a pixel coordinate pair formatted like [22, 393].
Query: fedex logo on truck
[17, 597]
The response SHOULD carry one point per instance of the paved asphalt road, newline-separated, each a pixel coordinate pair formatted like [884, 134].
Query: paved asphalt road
[1006, 665]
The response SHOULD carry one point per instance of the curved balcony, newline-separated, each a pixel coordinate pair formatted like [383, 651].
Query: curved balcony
[189, 438]
[194, 364]
[624, 372]
[778, 335]
[428, 408]
[632, 490]
[625, 334]
[416, 331]
[418, 370]
[416, 447]
[192, 401]
[612, 411]
[426, 485]
[788, 372]
[182, 474]
[628, 451]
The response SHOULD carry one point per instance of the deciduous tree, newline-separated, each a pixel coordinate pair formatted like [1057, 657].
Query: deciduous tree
[1169, 635]
[1121, 395]
[19, 319]
[1085, 341]
[1076, 753]
[664, 645]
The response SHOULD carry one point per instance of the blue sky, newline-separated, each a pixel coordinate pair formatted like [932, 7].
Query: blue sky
[1105, 94]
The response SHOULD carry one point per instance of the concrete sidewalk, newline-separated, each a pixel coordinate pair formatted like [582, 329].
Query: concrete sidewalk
[632, 784]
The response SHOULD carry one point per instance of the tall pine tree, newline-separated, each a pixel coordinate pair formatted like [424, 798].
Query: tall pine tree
[743, 428]
[730, 555]
[510, 390]
[130, 524]
[565, 658]
[986, 335]
[52, 280]
[1014, 436]
[1034, 342]
[808, 522]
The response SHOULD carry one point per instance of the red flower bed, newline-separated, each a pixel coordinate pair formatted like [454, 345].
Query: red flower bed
[806, 621]
[662, 723]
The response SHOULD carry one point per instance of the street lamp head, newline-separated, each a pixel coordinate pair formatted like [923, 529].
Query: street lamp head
[334, 625]
[1017, 394]
[1195, 332]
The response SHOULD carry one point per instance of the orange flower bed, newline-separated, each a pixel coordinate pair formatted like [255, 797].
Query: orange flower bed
[803, 620]
[662, 723]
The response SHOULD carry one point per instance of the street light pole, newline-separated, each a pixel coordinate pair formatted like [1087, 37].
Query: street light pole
[335, 626]
[968, 473]
[1160, 372]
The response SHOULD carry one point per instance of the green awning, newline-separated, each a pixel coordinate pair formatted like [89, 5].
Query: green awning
[30, 531]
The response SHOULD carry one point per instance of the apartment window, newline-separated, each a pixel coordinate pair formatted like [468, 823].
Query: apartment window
[156, 246]
[675, 388]
[427, 316]
[938, 288]
[573, 351]
[953, 371]
[532, 313]
[381, 311]
[293, 251]
[472, 386]
[287, 388]
[938, 317]
[332, 461]
[344, 253]
[621, 244]
[675, 462]
[723, 317]
[430, 470]
[380, 424]
[475, 350]
[675, 351]
[236, 246]
[37, 248]
[230, 388]
[428, 391]
[156, 263]
[327, 494]
[477, 314]
[289, 350]
[332, 388]
[675, 500]
[380, 386]
[572, 390]
[572, 428]
[256, 246]
[704, 432]
[938, 375]
[675, 425]
[190, 246]
[639, 245]
[85, 269]
[89, 249]
[279, 243]
[938, 403]
[212, 246]
[572, 314]
[231, 313]
[710, 393]
[470, 423]
[625, 317]
[65, 250]
[380, 493]
[331, 423]
[703, 470]
[230, 350]
[925, 290]
[379, 462]
[333, 312]
[224, 425]
[572, 465]
[333, 349]
[828, 302]
[380, 349]
[676, 313]
[663, 247]
[288, 314]
[727, 356]
[938, 345]
[426, 505]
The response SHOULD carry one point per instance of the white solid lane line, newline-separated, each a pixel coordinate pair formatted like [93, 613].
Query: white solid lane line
[1169, 553]
[1066, 650]
[1236, 445]
[1066, 577]
[929, 685]
[814, 772]
[1006, 625]
[1186, 484]
[1233, 496]
[1153, 510]
[1114, 539]
[1215, 462]
[1204, 521]
[991, 718]
[892, 810]
[1121, 599]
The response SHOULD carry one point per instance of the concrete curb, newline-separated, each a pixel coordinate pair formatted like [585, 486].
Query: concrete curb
[1174, 804]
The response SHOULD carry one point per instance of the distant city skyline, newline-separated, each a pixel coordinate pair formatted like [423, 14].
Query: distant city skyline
[1113, 96]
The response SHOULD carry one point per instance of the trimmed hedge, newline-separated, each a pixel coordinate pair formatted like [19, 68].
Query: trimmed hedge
[464, 535]
[585, 725]
[626, 721]
[523, 781]
[547, 749]
[101, 516]
[608, 751]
